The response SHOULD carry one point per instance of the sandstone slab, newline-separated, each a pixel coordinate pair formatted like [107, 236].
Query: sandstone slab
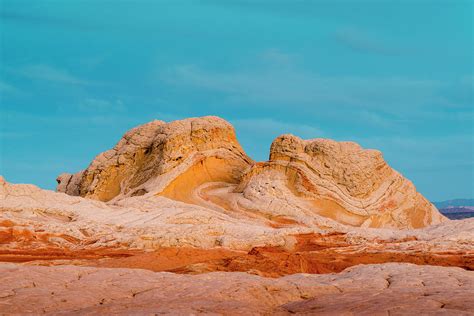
[396, 289]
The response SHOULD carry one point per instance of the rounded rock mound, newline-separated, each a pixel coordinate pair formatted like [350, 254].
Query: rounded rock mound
[310, 183]
[153, 157]
[341, 181]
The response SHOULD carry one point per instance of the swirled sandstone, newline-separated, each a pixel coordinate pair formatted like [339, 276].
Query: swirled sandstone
[312, 183]
[149, 157]
[337, 180]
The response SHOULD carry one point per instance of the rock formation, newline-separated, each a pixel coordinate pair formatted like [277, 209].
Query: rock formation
[183, 197]
[154, 156]
[341, 181]
[199, 161]
[394, 289]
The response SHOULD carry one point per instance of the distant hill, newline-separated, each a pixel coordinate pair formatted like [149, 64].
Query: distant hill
[454, 203]
[456, 209]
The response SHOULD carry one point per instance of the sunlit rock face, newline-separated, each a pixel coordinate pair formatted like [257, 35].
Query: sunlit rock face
[198, 161]
[157, 233]
[341, 181]
[151, 156]
[189, 184]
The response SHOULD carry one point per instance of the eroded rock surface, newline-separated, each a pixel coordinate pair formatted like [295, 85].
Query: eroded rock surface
[183, 197]
[188, 183]
[153, 156]
[48, 226]
[338, 180]
[395, 289]
[198, 161]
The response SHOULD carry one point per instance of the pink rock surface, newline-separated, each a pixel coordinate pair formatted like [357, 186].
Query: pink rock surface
[394, 289]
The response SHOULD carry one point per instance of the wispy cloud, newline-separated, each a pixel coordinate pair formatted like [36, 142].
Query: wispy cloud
[276, 56]
[294, 85]
[13, 135]
[50, 73]
[66, 120]
[91, 62]
[423, 152]
[7, 88]
[363, 41]
[381, 102]
[101, 105]
[468, 81]
[35, 19]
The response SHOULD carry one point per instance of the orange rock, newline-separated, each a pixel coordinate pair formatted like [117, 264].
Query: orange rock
[311, 182]
[150, 156]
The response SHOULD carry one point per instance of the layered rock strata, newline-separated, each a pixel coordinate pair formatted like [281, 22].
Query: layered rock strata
[310, 183]
[183, 197]
[39, 225]
[337, 180]
[171, 157]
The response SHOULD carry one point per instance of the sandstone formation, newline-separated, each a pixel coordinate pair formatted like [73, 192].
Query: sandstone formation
[338, 180]
[55, 228]
[316, 182]
[170, 157]
[390, 289]
[41, 217]
[183, 197]
[189, 184]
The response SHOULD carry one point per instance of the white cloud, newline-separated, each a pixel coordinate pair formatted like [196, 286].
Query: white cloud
[276, 56]
[363, 41]
[423, 152]
[292, 85]
[101, 105]
[49, 73]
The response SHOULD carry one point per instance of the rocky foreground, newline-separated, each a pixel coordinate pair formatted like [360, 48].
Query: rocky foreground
[389, 289]
[183, 197]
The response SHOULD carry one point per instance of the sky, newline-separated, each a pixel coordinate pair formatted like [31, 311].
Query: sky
[391, 75]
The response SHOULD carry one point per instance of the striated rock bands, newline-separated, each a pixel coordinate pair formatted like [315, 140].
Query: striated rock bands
[341, 181]
[150, 156]
[198, 161]
[183, 197]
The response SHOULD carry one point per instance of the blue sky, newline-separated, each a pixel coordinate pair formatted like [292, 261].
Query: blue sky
[392, 75]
